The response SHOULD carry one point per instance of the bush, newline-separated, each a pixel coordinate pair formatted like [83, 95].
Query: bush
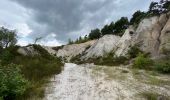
[44, 53]
[108, 60]
[8, 54]
[142, 62]
[163, 67]
[37, 68]
[12, 82]
[111, 60]
[134, 51]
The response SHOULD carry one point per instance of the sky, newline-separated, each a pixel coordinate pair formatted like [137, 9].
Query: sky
[58, 20]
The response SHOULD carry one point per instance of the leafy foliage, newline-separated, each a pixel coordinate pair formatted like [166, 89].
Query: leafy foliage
[142, 62]
[95, 34]
[121, 25]
[137, 17]
[108, 29]
[162, 66]
[7, 37]
[109, 60]
[12, 83]
[134, 51]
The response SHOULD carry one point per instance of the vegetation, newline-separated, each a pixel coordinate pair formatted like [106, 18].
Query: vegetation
[79, 40]
[108, 59]
[95, 34]
[153, 96]
[137, 17]
[23, 77]
[134, 51]
[108, 29]
[162, 66]
[7, 37]
[142, 62]
[12, 82]
[118, 27]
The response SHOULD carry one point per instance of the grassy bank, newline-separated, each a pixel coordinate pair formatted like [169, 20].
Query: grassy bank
[35, 69]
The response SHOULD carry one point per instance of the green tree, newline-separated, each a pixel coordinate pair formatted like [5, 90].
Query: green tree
[154, 8]
[70, 41]
[165, 5]
[95, 34]
[121, 25]
[108, 29]
[136, 17]
[7, 37]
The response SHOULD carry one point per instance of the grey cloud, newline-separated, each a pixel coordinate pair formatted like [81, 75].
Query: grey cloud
[64, 17]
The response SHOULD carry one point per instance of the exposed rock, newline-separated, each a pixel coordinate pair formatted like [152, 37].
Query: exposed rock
[152, 35]
[27, 51]
[69, 51]
[50, 50]
[148, 34]
[165, 38]
[125, 42]
[102, 46]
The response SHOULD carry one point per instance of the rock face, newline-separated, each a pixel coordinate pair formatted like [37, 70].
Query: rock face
[102, 46]
[50, 50]
[69, 51]
[149, 32]
[28, 50]
[165, 38]
[152, 35]
[125, 42]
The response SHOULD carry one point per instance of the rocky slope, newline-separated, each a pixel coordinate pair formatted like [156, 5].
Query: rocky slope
[102, 46]
[152, 35]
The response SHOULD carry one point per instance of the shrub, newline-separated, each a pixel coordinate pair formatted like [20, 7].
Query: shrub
[35, 69]
[7, 54]
[12, 82]
[109, 60]
[44, 53]
[142, 62]
[163, 67]
[134, 51]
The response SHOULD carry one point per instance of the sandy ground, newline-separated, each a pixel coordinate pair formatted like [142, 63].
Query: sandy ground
[90, 82]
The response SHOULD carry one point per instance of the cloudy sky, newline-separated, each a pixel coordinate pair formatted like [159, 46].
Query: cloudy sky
[58, 20]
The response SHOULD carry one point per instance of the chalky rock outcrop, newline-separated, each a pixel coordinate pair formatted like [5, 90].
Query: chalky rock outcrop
[152, 36]
[165, 37]
[125, 42]
[102, 46]
[70, 51]
[149, 32]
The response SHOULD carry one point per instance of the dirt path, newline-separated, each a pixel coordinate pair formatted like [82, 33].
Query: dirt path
[89, 82]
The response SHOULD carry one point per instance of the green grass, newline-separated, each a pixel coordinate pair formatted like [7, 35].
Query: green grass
[149, 77]
[153, 96]
[108, 60]
[36, 69]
